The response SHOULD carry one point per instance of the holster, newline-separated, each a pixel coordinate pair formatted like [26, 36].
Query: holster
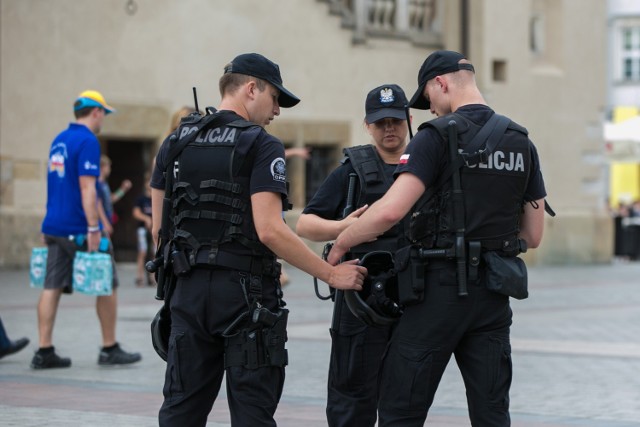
[257, 339]
[410, 270]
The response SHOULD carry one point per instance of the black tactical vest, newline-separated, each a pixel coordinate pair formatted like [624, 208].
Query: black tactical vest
[212, 218]
[373, 183]
[493, 191]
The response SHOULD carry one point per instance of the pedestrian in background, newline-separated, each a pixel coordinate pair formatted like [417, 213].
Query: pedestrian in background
[142, 212]
[72, 211]
[8, 346]
[106, 197]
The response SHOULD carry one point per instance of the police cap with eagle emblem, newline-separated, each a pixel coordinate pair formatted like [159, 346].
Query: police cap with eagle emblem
[386, 101]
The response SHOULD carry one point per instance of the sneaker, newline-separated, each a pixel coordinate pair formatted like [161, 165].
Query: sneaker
[49, 360]
[117, 356]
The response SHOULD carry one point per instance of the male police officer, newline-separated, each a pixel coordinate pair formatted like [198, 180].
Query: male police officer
[227, 227]
[357, 348]
[503, 210]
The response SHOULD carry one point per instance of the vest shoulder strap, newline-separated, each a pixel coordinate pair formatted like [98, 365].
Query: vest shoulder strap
[368, 166]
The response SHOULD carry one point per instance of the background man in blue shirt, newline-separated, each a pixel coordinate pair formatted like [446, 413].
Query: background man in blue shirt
[71, 224]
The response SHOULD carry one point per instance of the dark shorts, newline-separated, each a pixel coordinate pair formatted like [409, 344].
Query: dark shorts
[61, 252]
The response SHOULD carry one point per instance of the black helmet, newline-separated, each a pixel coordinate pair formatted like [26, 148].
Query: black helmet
[376, 304]
[160, 331]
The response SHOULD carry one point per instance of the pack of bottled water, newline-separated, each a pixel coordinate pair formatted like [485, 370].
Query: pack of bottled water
[38, 267]
[92, 273]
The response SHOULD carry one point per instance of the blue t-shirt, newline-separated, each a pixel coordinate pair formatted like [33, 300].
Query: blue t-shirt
[75, 152]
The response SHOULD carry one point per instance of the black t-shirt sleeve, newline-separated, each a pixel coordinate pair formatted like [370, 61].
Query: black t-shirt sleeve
[157, 175]
[269, 168]
[329, 201]
[423, 157]
[535, 188]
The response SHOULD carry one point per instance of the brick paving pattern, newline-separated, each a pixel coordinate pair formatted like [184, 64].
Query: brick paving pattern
[576, 352]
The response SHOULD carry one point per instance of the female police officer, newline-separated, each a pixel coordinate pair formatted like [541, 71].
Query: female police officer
[356, 348]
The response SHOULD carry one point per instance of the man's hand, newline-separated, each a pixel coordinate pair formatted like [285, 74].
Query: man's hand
[336, 253]
[348, 275]
[353, 216]
[93, 241]
[107, 228]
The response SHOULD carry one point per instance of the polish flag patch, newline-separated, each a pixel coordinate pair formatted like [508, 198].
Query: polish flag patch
[404, 159]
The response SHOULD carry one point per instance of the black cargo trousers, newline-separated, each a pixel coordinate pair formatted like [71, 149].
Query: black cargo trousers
[356, 355]
[475, 329]
[203, 305]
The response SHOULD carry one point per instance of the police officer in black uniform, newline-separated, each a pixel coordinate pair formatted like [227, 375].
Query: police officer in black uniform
[504, 205]
[357, 348]
[227, 314]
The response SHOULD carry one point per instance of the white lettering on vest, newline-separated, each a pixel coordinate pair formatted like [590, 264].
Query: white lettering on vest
[217, 135]
[500, 160]
[187, 130]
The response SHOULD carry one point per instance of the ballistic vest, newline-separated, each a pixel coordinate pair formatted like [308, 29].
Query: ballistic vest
[373, 183]
[211, 205]
[493, 191]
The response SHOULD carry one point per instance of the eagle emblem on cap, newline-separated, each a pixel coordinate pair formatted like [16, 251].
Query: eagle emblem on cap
[386, 96]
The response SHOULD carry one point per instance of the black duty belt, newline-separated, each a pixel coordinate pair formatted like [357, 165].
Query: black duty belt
[505, 245]
[253, 264]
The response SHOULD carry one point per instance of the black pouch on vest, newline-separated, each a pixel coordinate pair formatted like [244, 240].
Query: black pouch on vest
[506, 275]
[410, 270]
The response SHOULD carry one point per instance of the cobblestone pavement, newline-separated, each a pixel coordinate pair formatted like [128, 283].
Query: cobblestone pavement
[576, 353]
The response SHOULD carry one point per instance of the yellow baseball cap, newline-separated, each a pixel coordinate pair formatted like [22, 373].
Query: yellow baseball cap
[92, 98]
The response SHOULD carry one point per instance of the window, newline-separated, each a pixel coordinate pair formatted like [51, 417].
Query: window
[630, 53]
[499, 70]
[319, 166]
[536, 34]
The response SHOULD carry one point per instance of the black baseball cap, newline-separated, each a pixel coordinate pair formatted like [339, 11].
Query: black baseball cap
[385, 101]
[256, 65]
[438, 63]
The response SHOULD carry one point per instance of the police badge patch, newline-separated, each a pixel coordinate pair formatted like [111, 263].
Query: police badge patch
[386, 96]
[279, 170]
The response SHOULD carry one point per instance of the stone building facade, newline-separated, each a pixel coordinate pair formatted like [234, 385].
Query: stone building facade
[542, 62]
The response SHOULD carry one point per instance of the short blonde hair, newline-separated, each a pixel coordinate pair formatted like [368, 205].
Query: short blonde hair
[230, 82]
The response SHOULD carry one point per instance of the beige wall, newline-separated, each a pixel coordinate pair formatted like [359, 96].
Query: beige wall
[559, 95]
[146, 63]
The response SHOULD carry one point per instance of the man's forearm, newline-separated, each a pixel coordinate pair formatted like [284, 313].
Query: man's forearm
[317, 229]
[90, 205]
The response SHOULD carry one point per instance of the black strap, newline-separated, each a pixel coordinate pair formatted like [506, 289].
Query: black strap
[369, 167]
[475, 250]
[491, 134]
